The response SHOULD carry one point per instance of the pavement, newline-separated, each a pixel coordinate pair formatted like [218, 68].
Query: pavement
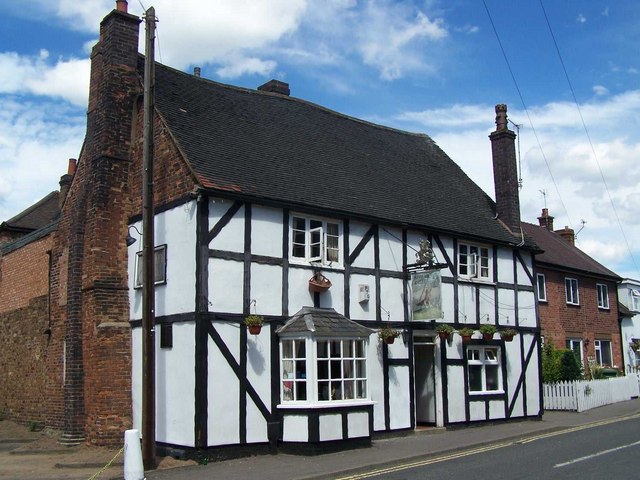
[37, 456]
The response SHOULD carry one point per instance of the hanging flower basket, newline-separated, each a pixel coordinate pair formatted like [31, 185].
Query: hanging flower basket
[444, 331]
[319, 283]
[388, 335]
[508, 334]
[465, 333]
[254, 323]
[488, 331]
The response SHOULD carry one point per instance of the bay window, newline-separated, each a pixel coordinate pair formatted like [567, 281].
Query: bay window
[319, 370]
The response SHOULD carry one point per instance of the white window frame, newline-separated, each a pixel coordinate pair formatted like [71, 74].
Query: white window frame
[541, 282]
[603, 296]
[634, 303]
[599, 345]
[571, 343]
[319, 236]
[314, 385]
[484, 361]
[159, 256]
[474, 261]
[572, 295]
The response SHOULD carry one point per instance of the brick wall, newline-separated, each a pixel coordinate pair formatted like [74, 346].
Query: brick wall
[24, 318]
[560, 320]
[24, 274]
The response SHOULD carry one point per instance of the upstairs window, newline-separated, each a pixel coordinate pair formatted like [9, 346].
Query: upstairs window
[571, 291]
[603, 296]
[160, 267]
[635, 300]
[542, 287]
[473, 261]
[315, 240]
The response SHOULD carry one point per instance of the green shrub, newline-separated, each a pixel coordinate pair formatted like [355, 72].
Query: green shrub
[559, 365]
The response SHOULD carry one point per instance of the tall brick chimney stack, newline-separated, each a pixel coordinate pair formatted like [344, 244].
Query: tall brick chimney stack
[568, 235]
[90, 303]
[505, 172]
[545, 220]
[65, 182]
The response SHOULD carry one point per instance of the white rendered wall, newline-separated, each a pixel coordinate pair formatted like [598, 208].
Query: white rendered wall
[514, 369]
[362, 310]
[259, 376]
[526, 309]
[366, 258]
[330, 427]
[266, 289]
[226, 280]
[505, 265]
[266, 231]
[455, 393]
[175, 387]
[532, 379]
[223, 389]
[496, 409]
[231, 237]
[175, 228]
[391, 298]
[358, 424]
[295, 428]
[390, 249]
[399, 393]
[375, 384]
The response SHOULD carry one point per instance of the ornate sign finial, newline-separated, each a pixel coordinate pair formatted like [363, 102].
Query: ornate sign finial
[425, 254]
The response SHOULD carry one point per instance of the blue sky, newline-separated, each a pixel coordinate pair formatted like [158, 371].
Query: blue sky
[427, 66]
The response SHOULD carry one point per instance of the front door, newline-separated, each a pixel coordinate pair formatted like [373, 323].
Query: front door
[425, 381]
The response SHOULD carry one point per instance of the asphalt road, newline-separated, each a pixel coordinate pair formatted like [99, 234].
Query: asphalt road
[608, 452]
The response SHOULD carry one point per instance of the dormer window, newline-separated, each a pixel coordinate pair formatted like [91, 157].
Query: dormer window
[473, 261]
[315, 240]
[635, 300]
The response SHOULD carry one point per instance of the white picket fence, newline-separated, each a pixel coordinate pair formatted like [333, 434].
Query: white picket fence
[584, 395]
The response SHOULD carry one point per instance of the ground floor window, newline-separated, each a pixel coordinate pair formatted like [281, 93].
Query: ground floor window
[575, 345]
[323, 370]
[483, 368]
[603, 352]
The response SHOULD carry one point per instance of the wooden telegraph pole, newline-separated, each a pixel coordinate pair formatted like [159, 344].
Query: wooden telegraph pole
[148, 255]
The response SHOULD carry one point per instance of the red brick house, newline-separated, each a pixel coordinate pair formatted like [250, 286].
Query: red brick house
[577, 297]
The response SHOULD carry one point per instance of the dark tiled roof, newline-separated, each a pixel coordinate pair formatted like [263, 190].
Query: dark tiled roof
[37, 215]
[291, 151]
[560, 253]
[28, 238]
[323, 322]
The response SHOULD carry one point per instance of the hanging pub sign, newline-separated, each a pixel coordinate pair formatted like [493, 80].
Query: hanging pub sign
[426, 302]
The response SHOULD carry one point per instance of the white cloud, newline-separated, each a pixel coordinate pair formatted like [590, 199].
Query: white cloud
[581, 18]
[65, 79]
[600, 90]
[35, 143]
[243, 66]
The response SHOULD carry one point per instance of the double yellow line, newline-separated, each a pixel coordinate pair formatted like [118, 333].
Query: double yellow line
[487, 448]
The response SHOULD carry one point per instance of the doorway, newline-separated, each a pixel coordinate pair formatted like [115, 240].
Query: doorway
[425, 385]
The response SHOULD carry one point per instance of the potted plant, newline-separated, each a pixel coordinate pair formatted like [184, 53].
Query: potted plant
[388, 335]
[507, 334]
[487, 330]
[466, 333]
[254, 323]
[444, 331]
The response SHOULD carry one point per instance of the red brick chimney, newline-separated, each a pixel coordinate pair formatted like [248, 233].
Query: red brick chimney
[505, 172]
[65, 182]
[545, 220]
[568, 235]
[89, 290]
[275, 86]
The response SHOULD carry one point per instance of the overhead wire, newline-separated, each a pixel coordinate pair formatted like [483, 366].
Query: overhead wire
[524, 106]
[586, 131]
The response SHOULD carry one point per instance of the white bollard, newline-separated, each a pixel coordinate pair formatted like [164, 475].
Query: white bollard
[133, 468]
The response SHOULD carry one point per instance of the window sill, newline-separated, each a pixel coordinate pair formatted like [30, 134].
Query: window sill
[487, 392]
[318, 265]
[569, 304]
[322, 405]
[475, 280]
